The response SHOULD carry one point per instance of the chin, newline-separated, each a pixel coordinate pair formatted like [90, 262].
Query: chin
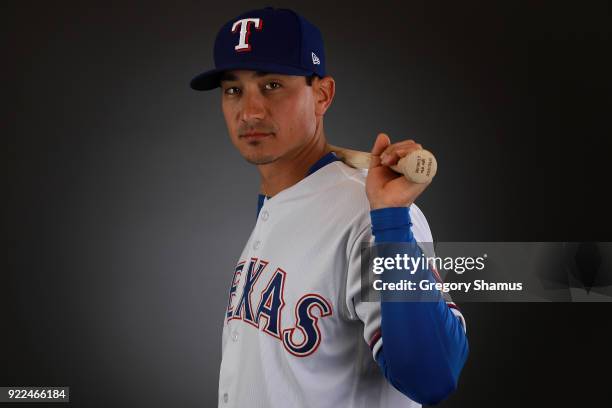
[260, 158]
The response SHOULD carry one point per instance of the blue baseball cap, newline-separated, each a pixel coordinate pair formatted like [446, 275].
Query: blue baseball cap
[269, 40]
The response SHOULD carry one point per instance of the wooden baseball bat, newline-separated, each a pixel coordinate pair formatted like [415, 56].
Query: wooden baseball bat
[419, 166]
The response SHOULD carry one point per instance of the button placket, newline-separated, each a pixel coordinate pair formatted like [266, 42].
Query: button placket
[264, 215]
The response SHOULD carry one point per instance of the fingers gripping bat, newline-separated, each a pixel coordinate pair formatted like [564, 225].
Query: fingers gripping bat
[419, 166]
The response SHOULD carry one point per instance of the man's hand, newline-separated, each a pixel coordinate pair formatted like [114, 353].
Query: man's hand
[384, 187]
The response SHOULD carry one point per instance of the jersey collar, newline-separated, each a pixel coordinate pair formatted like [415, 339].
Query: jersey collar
[322, 162]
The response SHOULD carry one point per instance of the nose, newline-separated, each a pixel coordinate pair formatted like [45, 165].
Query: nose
[253, 107]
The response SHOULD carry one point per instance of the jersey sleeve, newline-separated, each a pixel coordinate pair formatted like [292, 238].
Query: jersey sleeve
[423, 346]
[369, 312]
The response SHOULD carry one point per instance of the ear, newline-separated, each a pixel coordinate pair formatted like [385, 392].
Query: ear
[324, 90]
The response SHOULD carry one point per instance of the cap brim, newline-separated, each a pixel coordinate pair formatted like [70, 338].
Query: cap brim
[211, 79]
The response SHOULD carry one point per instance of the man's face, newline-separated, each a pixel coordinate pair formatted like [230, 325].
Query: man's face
[268, 116]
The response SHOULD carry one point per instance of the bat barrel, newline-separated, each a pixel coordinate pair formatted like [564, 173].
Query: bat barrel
[419, 166]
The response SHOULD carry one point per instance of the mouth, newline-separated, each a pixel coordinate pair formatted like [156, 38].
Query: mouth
[255, 136]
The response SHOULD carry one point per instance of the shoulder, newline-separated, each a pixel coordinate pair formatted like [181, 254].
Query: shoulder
[343, 197]
[349, 187]
[349, 176]
[347, 182]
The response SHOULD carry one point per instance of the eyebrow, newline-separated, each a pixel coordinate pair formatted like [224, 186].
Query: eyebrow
[228, 76]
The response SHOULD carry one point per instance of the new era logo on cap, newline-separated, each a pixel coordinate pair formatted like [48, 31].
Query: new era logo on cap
[315, 59]
[268, 40]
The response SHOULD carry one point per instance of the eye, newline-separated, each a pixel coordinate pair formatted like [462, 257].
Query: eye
[232, 90]
[272, 85]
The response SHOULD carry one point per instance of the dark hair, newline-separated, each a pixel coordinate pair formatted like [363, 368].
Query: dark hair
[309, 79]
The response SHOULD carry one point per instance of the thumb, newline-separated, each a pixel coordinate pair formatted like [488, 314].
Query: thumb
[381, 143]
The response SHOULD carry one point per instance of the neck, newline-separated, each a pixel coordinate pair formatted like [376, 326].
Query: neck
[292, 167]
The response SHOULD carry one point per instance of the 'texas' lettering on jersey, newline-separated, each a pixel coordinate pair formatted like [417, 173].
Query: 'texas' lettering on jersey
[266, 315]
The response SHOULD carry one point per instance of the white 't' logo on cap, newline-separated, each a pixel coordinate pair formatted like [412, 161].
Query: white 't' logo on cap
[245, 31]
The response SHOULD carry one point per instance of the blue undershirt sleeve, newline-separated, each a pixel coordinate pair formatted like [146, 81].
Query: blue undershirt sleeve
[424, 344]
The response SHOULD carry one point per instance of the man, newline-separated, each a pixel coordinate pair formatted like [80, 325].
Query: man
[296, 331]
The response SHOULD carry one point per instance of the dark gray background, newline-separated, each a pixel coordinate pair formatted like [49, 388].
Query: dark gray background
[126, 205]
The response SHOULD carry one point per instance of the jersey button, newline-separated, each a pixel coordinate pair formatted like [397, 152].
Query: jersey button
[265, 215]
[225, 398]
[235, 337]
[256, 244]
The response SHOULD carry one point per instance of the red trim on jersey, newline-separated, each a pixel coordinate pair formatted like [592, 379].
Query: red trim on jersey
[452, 306]
[322, 313]
[375, 337]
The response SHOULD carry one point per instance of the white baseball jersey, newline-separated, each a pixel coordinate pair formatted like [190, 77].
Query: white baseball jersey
[296, 333]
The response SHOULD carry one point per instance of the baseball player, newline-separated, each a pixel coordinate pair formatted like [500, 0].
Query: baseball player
[296, 332]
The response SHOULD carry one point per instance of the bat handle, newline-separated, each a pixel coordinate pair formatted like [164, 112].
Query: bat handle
[420, 166]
